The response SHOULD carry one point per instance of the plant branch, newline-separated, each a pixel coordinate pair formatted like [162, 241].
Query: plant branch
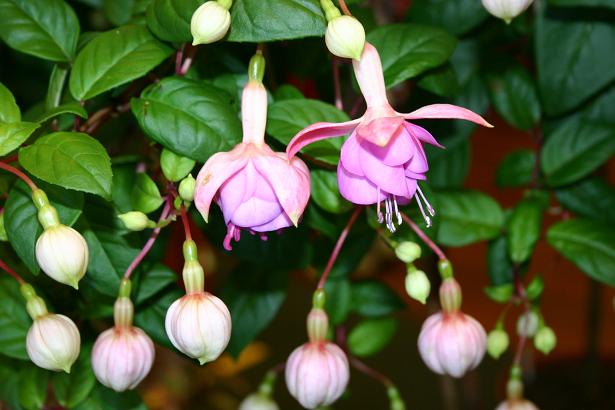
[19, 174]
[526, 303]
[186, 223]
[419, 232]
[11, 272]
[344, 8]
[374, 374]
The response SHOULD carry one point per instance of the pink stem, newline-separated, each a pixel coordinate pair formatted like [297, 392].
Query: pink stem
[19, 174]
[179, 57]
[186, 223]
[11, 272]
[338, 247]
[424, 237]
[150, 242]
[374, 374]
[344, 8]
[339, 104]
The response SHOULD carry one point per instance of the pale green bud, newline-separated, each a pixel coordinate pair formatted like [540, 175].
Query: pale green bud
[186, 188]
[210, 22]
[418, 285]
[345, 37]
[62, 253]
[545, 339]
[136, 221]
[408, 251]
[527, 324]
[497, 342]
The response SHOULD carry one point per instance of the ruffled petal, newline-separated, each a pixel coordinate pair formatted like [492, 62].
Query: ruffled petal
[357, 189]
[418, 164]
[389, 179]
[349, 156]
[317, 132]
[215, 172]
[422, 134]
[446, 111]
[281, 221]
[398, 151]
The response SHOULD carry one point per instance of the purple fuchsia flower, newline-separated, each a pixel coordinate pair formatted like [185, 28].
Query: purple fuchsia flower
[257, 189]
[383, 158]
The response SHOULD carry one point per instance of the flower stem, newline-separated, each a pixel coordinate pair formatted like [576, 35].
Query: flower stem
[339, 104]
[187, 52]
[338, 247]
[19, 174]
[186, 223]
[374, 374]
[424, 237]
[344, 8]
[11, 272]
[150, 242]
[523, 337]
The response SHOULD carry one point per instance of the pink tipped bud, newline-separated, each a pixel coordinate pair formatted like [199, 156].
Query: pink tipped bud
[452, 343]
[450, 295]
[199, 325]
[317, 374]
[53, 342]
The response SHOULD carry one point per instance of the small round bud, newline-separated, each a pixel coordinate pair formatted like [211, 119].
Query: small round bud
[53, 342]
[186, 188]
[445, 267]
[317, 374]
[136, 221]
[62, 253]
[210, 22]
[258, 401]
[199, 325]
[545, 339]
[527, 324]
[497, 342]
[506, 9]
[408, 251]
[418, 285]
[345, 37]
[450, 295]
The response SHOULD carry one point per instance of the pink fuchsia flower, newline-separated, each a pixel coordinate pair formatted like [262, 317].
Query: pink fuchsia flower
[257, 189]
[383, 158]
[451, 342]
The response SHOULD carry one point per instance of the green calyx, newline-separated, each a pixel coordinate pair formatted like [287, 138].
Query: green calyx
[125, 288]
[445, 268]
[256, 69]
[35, 305]
[267, 385]
[47, 214]
[319, 299]
[226, 3]
[190, 251]
[330, 10]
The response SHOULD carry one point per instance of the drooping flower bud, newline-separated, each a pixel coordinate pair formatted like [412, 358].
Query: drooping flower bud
[408, 251]
[198, 324]
[258, 401]
[210, 21]
[53, 341]
[527, 324]
[345, 37]
[136, 221]
[61, 251]
[514, 396]
[186, 188]
[506, 9]
[497, 342]
[418, 285]
[545, 339]
[122, 355]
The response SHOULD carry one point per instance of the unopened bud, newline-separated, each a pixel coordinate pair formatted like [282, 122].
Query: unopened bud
[317, 325]
[408, 251]
[186, 188]
[450, 295]
[395, 400]
[210, 22]
[418, 285]
[506, 9]
[258, 401]
[53, 342]
[497, 342]
[527, 324]
[545, 339]
[136, 221]
[345, 37]
[62, 253]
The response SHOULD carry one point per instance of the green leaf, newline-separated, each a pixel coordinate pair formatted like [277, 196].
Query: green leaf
[440, 81]
[515, 98]
[21, 221]
[152, 281]
[145, 194]
[339, 299]
[175, 167]
[33, 387]
[593, 198]
[583, 3]
[534, 288]
[499, 263]
[570, 58]
[407, 50]
[72, 388]
[9, 111]
[449, 167]
[69, 108]
[170, 19]
[72, 160]
[12, 135]
[287, 92]
[47, 29]
[55, 89]
[573, 150]
[14, 321]
[261, 21]
[325, 192]
[192, 118]
[457, 17]
[588, 244]
[287, 117]
[524, 227]
[500, 293]
[371, 336]
[150, 316]
[371, 298]
[118, 11]
[115, 58]
[516, 169]
[467, 217]
[103, 398]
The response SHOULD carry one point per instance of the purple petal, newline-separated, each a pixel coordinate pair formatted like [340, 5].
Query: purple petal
[446, 111]
[399, 150]
[381, 130]
[422, 134]
[349, 156]
[418, 164]
[357, 189]
[389, 179]
[282, 221]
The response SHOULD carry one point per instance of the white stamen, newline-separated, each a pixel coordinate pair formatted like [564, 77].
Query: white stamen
[397, 213]
[378, 212]
[425, 217]
[430, 209]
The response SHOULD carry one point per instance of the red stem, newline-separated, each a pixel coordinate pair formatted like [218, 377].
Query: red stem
[424, 237]
[189, 52]
[339, 104]
[11, 272]
[338, 247]
[526, 304]
[19, 174]
[186, 223]
[374, 374]
[150, 242]
[344, 8]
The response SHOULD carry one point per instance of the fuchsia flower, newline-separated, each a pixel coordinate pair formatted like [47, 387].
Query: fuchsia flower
[257, 189]
[383, 158]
